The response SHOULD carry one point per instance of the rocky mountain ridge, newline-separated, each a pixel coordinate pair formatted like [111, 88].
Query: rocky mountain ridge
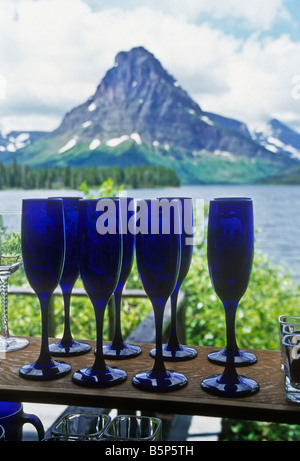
[139, 115]
[278, 138]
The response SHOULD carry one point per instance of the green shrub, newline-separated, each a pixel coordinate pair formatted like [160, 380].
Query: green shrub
[271, 292]
[252, 431]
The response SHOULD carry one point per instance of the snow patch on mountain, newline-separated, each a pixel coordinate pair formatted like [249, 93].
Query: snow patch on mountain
[94, 144]
[92, 107]
[86, 124]
[69, 145]
[113, 142]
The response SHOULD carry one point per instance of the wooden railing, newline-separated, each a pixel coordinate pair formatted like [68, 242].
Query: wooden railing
[145, 332]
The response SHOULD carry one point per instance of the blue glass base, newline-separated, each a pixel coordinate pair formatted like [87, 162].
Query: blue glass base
[240, 387]
[40, 372]
[171, 354]
[146, 380]
[88, 377]
[127, 351]
[241, 358]
[68, 350]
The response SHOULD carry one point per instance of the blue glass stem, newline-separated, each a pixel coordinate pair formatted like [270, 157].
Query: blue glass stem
[67, 337]
[45, 356]
[173, 341]
[117, 341]
[159, 368]
[231, 348]
[99, 307]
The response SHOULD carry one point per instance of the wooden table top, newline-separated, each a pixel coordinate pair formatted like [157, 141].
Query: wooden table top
[269, 404]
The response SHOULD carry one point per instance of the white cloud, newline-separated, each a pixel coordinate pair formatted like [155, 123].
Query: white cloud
[260, 82]
[255, 13]
[55, 52]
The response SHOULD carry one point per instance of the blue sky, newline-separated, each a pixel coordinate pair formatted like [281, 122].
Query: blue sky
[240, 25]
[238, 58]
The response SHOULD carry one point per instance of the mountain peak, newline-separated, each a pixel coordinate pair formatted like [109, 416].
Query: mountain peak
[137, 73]
[138, 53]
[137, 95]
[139, 57]
[133, 69]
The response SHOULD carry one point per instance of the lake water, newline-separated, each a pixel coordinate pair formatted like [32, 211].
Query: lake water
[276, 213]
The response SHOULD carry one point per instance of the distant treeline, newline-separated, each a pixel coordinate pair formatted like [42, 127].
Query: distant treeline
[26, 177]
[287, 177]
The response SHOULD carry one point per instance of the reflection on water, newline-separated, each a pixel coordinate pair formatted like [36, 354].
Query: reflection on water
[276, 212]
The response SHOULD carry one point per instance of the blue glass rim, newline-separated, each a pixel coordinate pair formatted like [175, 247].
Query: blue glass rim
[232, 199]
[95, 201]
[66, 197]
[175, 198]
[41, 199]
[91, 200]
[148, 201]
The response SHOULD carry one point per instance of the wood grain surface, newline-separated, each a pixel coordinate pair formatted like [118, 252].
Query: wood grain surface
[269, 404]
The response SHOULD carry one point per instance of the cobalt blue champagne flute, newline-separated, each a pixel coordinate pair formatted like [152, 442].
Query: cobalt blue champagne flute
[241, 357]
[68, 346]
[43, 252]
[174, 351]
[118, 348]
[100, 258]
[158, 253]
[230, 250]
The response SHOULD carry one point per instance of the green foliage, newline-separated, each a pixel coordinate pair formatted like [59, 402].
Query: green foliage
[10, 245]
[107, 189]
[84, 188]
[257, 431]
